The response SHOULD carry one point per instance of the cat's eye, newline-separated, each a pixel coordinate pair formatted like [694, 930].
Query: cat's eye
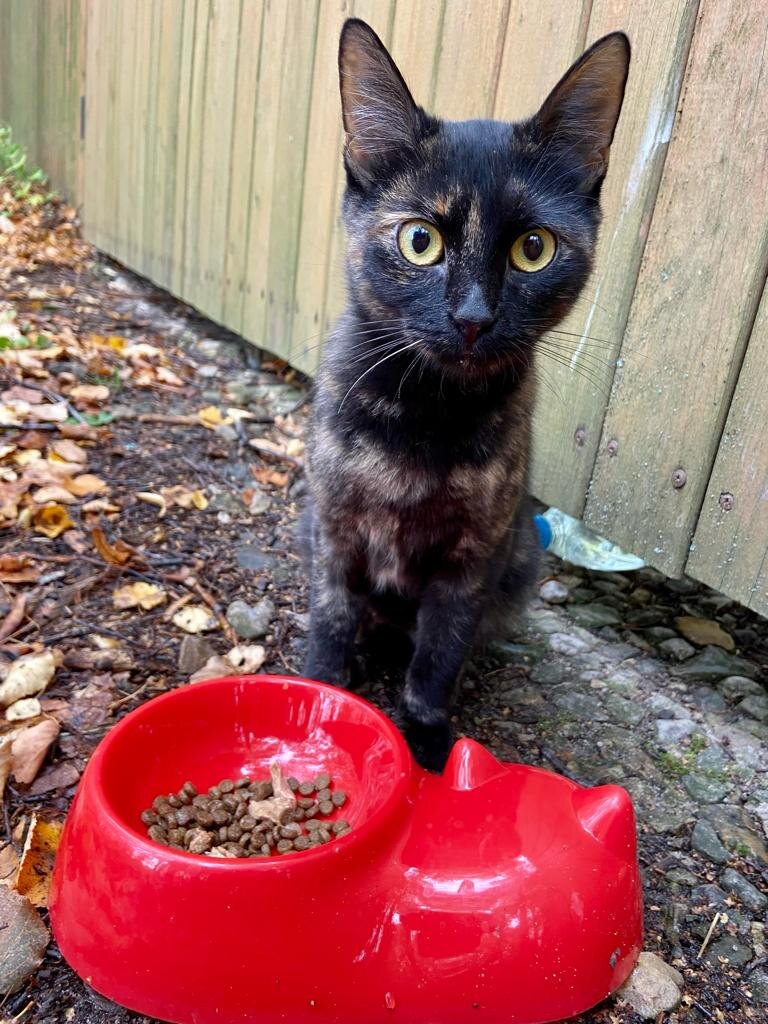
[420, 242]
[533, 250]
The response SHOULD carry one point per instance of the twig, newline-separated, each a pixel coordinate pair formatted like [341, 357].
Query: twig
[702, 1009]
[708, 937]
[172, 608]
[14, 618]
[129, 696]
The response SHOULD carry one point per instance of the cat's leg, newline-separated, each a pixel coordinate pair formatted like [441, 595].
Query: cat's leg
[446, 626]
[334, 616]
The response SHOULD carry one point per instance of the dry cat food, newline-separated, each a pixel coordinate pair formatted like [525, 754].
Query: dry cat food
[248, 819]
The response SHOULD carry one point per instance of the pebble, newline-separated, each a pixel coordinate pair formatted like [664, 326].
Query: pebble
[671, 730]
[677, 649]
[736, 829]
[736, 953]
[565, 643]
[194, 652]
[553, 592]
[704, 632]
[251, 557]
[704, 840]
[592, 616]
[734, 687]
[757, 983]
[23, 938]
[756, 706]
[653, 988]
[744, 890]
[250, 621]
[705, 790]
[714, 663]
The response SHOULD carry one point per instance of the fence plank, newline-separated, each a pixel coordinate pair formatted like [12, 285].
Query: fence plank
[580, 371]
[471, 48]
[730, 546]
[702, 275]
[181, 192]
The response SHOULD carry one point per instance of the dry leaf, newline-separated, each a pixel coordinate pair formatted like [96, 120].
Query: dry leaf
[117, 554]
[6, 449]
[68, 451]
[87, 483]
[9, 865]
[27, 677]
[100, 505]
[153, 498]
[17, 569]
[86, 394]
[54, 413]
[29, 748]
[23, 939]
[138, 595]
[240, 661]
[53, 493]
[212, 417]
[27, 707]
[166, 376]
[184, 498]
[265, 475]
[195, 618]
[59, 776]
[51, 520]
[6, 742]
[34, 877]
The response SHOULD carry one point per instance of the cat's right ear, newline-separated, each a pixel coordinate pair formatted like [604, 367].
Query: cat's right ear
[380, 117]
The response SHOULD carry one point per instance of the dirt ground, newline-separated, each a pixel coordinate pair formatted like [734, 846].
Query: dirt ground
[529, 698]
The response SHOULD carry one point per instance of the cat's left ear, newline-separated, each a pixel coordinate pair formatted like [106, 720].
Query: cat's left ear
[380, 116]
[582, 110]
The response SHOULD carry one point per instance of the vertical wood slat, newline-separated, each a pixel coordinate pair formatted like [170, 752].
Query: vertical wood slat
[701, 279]
[578, 374]
[730, 546]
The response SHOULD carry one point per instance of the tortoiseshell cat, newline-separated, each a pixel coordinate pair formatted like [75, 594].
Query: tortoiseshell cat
[466, 242]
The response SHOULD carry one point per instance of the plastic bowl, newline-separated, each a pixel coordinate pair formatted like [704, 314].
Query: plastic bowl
[493, 892]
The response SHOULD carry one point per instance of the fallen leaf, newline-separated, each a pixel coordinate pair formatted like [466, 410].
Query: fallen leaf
[29, 748]
[100, 505]
[195, 618]
[27, 707]
[6, 742]
[242, 660]
[117, 554]
[138, 595]
[9, 865]
[212, 417]
[87, 483]
[265, 475]
[18, 569]
[88, 394]
[37, 857]
[27, 677]
[109, 660]
[69, 451]
[59, 776]
[57, 412]
[51, 520]
[53, 493]
[153, 498]
[23, 939]
[166, 376]
[14, 618]
[6, 449]
[184, 498]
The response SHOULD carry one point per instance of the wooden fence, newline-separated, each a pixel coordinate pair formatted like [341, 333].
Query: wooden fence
[202, 139]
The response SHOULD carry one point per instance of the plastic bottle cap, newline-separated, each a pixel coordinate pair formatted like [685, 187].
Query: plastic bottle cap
[544, 531]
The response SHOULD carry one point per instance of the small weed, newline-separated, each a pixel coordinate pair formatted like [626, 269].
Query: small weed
[672, 765]
[698, 743]
[26, 182]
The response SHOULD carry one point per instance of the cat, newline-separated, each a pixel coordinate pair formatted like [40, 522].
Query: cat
[466, 242]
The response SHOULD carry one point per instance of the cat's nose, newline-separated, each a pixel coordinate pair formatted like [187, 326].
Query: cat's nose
[471, 328]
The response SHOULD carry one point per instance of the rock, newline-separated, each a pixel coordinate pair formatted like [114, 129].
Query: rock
[625, 712]
[653, 987]
[711, 759]
[728, 948]
[707, 699]
[757, 983]
[657, 634]
[747, 750]
[710, 897]
[194, 651]
[623, 680]
[734, 687]
[757, 706]
[682, 877]
[704, 840]
[553, 592]
[251, 557]
[259, 503]
[744, 890]
[705, 790]
[565, 643]
[677, 649]
[761, 810]
[671, 730]
[703, 632]
[736, 830]
[548, 672]
[643, 617]
[581, 705]
[23, 938]
[714, 663]
[591, 616]
[250, 621]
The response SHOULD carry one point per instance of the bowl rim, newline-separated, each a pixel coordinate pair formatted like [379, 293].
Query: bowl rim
[404, 767]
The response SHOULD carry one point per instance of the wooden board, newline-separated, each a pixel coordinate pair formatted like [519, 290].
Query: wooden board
[702, 275]
[576, 377]
[730, 546]
[471, 48]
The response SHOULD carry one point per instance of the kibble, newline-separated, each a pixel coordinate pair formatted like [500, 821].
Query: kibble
[219, 824]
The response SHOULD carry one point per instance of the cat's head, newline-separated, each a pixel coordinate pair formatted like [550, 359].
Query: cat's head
[467, 240]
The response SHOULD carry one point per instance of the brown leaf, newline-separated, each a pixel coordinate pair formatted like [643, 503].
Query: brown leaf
[88, 394]
[6, 742]
[195, 618]
[55, 413]
[138, 595]
[115, 660]
[18, 393]
[53, 493]
[87, 483]
[51, 520]
[58, 776]
[240, 661]
[23, 938]
[38, 855]
[264, 475]
[27, 677]
[14, 618]
[69, 451]
[118, 553]
[29, 748]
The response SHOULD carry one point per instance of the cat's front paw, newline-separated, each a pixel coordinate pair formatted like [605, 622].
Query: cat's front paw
[324, 672]
[430, 744]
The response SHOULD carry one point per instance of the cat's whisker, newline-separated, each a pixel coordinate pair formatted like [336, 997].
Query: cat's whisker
[370, 369]
[579, 371]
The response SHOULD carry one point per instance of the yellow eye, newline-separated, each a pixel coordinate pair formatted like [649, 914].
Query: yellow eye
[421, 243]
[533, 251]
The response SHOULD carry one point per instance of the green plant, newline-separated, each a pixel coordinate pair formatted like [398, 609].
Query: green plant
[16, 172]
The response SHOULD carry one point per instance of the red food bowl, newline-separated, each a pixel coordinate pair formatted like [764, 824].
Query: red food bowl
[495, 892]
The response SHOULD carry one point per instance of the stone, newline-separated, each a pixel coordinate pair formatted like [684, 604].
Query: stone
[250, 621]
[757, 983]
[707, 699]
[734, 687]
[623, 680]
[682, 877]
[705, 790]
[704, 632]
[581, 705]
[676, 649]
[642, 617]
[23, 938]
[756, 706]
[251, 557]
[565, 643]
[728, 948]
[714, 663]
[708, 897]
[744, 890]
[624, 711]
[657, 634]
[194, 652]
[653, 988]
[671, 730]
[548, 672]
[747, 750]
[711, 759]
[591, 616]
[553, 592]
[704, 840]
[761, 810]
[736, 830]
